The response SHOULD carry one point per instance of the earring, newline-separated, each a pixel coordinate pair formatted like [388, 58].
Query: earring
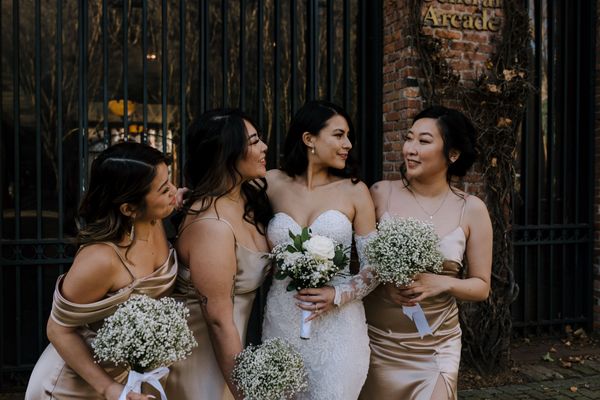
[132, 230]
[312, 150]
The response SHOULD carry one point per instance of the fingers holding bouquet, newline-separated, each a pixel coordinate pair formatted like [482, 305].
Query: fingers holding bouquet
[424, 286]
[316, 300]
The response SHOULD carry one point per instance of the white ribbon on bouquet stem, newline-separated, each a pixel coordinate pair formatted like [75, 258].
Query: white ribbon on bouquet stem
[305, 326]
[135, 380]
[416, 314]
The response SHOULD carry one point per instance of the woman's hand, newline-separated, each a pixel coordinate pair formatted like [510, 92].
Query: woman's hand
[425, 285]
[397, 295]
[318, 300]
[179, 197]
[114, 391]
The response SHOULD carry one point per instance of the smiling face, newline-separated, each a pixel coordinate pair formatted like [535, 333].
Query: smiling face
[160, 200]
[331, 145]
[423, 150]
[253, 164]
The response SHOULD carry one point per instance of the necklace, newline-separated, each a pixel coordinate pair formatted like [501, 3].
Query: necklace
[423, 208]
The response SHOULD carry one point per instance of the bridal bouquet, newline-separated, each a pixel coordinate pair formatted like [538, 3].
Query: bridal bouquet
[271, 371]
[310, 261]
[402, 248]
[147, 335]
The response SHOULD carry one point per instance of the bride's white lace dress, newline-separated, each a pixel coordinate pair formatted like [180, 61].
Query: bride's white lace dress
[337, 354]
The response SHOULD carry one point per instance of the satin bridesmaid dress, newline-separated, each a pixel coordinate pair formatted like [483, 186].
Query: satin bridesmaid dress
[404, 366]
[52, 378]
[199, 376]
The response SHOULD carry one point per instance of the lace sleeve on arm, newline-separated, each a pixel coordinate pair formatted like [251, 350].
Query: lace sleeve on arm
[362, 283]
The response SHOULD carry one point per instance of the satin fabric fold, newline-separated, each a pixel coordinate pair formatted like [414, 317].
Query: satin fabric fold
[52, 378]
[404, 366]
[199, 376]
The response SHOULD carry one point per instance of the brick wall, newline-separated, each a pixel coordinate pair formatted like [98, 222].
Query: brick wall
[467, 51]
[597, 189]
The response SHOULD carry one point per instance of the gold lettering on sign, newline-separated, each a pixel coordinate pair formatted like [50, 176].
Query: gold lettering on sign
[486, 21]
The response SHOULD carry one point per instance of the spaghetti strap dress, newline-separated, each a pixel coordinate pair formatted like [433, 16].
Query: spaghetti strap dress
[199, 376]
[52, 378]
[404, 366]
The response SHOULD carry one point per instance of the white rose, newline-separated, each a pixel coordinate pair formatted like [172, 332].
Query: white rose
[320, 247]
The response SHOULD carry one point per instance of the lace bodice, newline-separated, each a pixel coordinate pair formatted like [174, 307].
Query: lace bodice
[337, 354]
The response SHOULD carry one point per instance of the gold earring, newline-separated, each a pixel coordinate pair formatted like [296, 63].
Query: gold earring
[312, 150]
[132, 230]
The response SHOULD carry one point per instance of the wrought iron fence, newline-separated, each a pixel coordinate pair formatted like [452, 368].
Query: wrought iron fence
[78, 76]
[553, 231]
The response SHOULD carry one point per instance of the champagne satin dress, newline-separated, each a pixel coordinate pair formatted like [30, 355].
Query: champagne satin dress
[404, 366]
[52, 378]
[199, 376]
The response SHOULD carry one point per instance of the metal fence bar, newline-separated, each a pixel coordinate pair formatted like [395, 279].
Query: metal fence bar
[224, 58]
[260, 66]
[38, 159]
[552, 162]
[182, 80]
[82, 82]
[312, 16]
[242, 58]
[330, 50]
[203, 68]
[164, 66]
[277, 79]
[105, 70]
[293, 57]
[145, 71]
[126, 68]
[346, 54]
[16, 118]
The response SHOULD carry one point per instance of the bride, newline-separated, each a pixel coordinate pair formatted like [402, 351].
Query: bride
[317, 188]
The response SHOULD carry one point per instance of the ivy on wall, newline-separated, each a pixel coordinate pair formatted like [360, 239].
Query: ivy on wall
[495, 102]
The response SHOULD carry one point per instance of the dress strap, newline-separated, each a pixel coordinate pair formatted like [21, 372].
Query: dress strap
[124, 261]
[210, 217]
[389, 197]
[462, 211]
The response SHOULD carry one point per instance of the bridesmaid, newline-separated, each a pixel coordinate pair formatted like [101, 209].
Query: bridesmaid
[439, 145]
[221, 247]
[123, 251]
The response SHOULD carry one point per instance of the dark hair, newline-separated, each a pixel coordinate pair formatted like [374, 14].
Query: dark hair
[312, 117]
[458, 133]
[122, 173]
[216, 141]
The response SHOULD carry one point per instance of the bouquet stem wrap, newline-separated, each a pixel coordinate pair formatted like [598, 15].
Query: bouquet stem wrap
[416, 314]
[135, 380]
[305, 326]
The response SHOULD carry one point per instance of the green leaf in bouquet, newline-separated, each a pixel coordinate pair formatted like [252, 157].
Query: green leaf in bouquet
[298, 242]
[340, 257]
[291, 234]
[305, 235]
[280, 274]
[291, 286]
[291, 248]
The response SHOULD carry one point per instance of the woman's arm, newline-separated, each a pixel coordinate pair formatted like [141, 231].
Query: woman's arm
[91, 276]
[213, 268]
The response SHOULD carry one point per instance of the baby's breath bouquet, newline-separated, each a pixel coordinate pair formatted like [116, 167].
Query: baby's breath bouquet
[147, 335]
[310, 261]
[271, 371]
[402, 248]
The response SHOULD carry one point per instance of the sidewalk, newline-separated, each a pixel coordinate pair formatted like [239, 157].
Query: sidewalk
[567, 368]
[551, 381]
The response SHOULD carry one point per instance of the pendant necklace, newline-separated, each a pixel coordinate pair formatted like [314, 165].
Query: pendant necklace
[423, 208]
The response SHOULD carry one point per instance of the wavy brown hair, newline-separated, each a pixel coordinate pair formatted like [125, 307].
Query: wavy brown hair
[216, 141]
[123, 173]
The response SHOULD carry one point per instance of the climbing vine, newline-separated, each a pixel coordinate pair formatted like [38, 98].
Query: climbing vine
[495, 101]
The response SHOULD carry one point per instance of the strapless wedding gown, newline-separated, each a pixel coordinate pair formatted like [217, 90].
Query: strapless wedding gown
[337, 354]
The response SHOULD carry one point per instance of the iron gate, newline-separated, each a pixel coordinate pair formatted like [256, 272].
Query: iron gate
[80, 75]
[553, 231]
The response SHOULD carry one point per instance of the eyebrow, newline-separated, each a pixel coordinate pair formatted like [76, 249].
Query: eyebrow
[164, 183]
[339, 130]
[421, 133]
[253, 135]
